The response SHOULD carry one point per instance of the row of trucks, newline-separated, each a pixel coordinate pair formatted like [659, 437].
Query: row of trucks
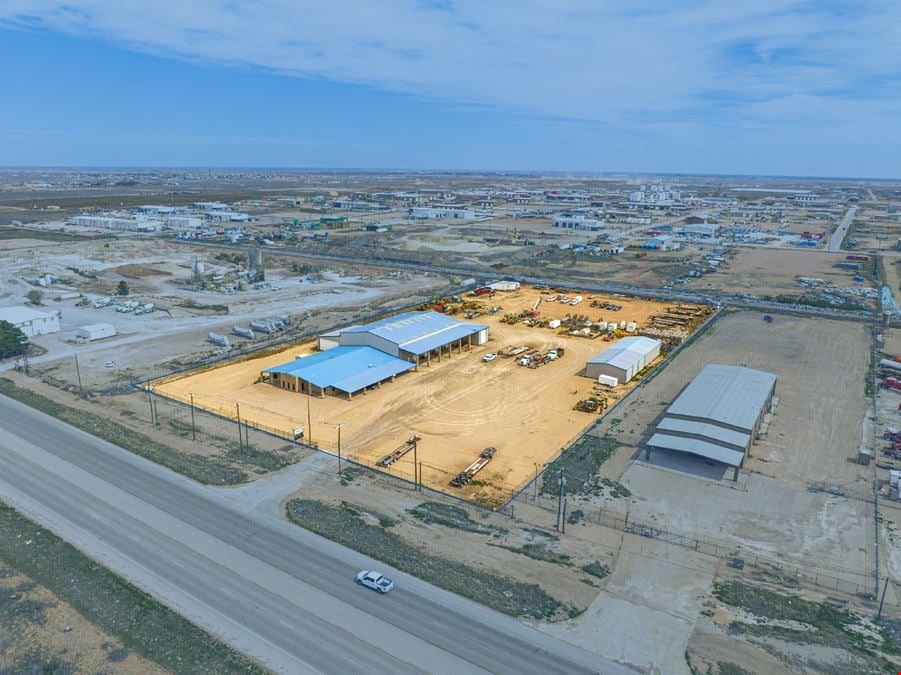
[137, 307]
[265, 326]
[535, 359]
[563, 300]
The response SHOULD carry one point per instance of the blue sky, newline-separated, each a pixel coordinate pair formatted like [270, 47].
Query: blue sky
[778, 87]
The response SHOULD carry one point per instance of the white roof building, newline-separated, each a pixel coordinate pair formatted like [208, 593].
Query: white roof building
[624, 359]
[30, 321]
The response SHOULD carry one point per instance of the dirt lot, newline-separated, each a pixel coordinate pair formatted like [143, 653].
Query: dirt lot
[458, 406]
[762, 271]
[811, 438]
[810, 443]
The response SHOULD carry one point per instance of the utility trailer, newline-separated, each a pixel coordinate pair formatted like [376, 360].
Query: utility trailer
[408, 445]
[464, 477]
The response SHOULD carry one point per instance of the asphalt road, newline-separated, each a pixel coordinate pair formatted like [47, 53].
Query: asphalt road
[835, 241]
[274, 590]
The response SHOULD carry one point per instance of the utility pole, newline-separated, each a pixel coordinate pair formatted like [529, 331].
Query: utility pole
[240, 438]
[563, 519]
[882, 601]
[536, 481]
[339, 447]
[193, 429]
[152, 410]
[78, 374]
[561, 480]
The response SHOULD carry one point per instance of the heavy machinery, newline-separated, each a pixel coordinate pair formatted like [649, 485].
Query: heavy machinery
[465, 476]
[402, 450]
[592, 404]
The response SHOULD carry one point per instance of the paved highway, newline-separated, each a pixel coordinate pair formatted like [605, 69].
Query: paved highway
[835, 241]
[274, 590]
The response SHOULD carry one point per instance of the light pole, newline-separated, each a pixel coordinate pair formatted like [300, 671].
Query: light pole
[193, 430]
[417, 469]
[240, 438]
[561, 480]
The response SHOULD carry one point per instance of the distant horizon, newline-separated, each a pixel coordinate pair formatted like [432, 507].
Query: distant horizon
[537, 173]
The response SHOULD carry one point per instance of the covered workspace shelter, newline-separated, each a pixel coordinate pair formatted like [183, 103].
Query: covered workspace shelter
[359, 357]
[346, 370]
[717, 416]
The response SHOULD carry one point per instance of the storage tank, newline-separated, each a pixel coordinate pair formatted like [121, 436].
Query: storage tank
[553, 323]
[630, 327]
[607, 380]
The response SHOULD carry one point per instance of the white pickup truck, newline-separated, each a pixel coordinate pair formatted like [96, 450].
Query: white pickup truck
[375, 581]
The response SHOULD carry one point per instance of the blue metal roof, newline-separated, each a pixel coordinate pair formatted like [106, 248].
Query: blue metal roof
[430, 342]
[418, 332]
[347, 369]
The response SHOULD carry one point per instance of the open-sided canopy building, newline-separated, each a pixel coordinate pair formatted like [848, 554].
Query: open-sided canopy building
[717, 416]
[358, 357]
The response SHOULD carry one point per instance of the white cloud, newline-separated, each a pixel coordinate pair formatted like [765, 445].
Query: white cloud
[626, 65]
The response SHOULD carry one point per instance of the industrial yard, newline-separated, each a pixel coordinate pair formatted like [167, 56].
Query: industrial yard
[391, 318]
[457, 407]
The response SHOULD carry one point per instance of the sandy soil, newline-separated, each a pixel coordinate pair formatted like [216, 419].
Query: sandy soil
[46, 625]
[459, 405]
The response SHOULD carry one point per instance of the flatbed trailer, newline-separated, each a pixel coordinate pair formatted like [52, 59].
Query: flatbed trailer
[402, 450]
[465, 476]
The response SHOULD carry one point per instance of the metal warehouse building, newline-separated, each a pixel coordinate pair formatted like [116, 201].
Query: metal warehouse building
[416, 337]
[717, 416]
[355, 358]
[30, 321]
[624, 359]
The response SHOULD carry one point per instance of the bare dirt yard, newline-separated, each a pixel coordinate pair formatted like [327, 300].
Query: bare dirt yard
[778, 506]
[458, 406]
[765, 271]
